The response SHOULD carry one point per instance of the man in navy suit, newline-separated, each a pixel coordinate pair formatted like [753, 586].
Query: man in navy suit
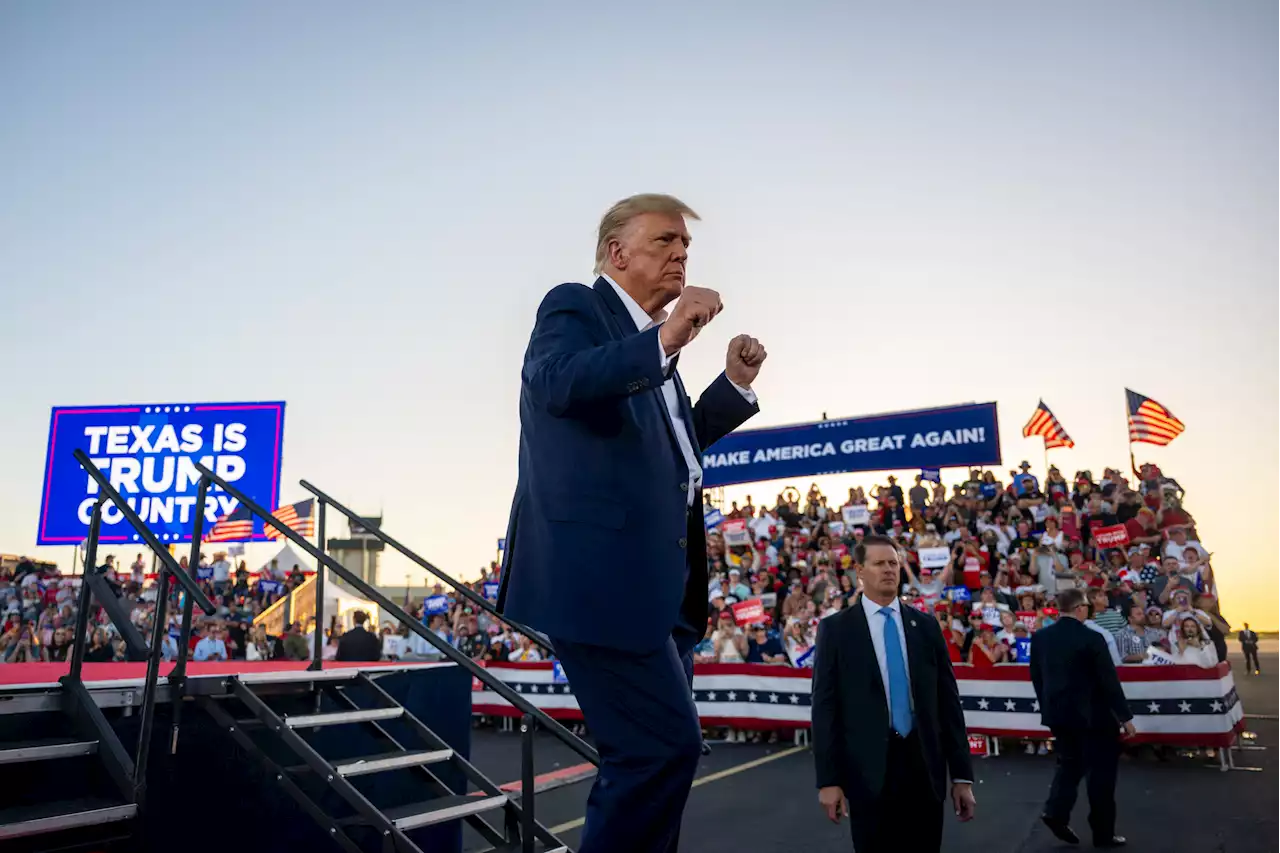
[609, 491]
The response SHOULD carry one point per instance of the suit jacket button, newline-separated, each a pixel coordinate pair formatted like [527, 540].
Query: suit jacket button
[644, 380]
[684, 487]
[684, 543]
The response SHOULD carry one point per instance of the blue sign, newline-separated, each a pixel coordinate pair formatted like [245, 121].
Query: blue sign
[271, 587]
[956, 593]
[931, 475]
[502, 544]
[436, 604]
[712, 518]
[491, 590]
[557, 673]
[148, 453]
[954, 437]
[1022, 650]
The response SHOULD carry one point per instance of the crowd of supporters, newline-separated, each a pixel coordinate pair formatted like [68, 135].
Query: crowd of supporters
[987, 560]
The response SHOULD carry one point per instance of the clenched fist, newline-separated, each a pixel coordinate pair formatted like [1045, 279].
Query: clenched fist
[697, 307]
[742, 363]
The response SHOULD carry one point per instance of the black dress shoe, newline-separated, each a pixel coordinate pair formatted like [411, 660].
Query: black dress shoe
[706, 748]
[1062, 830]
[1113, 841]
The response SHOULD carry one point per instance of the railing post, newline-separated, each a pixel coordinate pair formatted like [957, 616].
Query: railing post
[526, 784]
[317, 660]
[149, 690]
[80, 641]
[178, 675]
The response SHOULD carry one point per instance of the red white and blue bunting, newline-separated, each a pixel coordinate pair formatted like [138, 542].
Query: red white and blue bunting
[1171, 704]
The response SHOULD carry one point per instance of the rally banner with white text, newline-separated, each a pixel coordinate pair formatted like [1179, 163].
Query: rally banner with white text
[1185, 705]
[952, 437]
[148, 453]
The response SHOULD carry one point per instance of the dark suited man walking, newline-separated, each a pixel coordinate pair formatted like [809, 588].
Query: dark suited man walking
[1082, 703]
[1249, 645]
[887, 721]
[609, 490]
[359, 644]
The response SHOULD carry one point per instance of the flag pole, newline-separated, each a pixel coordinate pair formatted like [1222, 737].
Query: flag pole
[1046, 459]
[1133, 465]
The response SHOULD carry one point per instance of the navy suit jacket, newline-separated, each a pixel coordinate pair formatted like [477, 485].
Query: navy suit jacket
[601, 535]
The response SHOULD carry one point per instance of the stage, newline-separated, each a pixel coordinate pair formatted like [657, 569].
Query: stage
[217, 789]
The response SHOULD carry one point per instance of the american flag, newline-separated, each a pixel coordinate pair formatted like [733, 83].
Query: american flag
[1151, 422]
[235, 525]
[299, 516]
[1043, 423]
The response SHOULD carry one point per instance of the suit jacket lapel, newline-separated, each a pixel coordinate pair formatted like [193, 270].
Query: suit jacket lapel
[871, 670]
[916, 649]
[625, 327]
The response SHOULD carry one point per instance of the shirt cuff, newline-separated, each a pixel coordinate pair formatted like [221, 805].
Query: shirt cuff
[961, 781]
[747, 393]
[664, 360]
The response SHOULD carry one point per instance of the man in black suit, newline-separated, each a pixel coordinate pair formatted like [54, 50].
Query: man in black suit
[1082, 703]
[359, 644]
[887, 721]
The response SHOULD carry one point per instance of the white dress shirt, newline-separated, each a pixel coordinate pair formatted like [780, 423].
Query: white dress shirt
[1112, 648]
[670, 394]
[876, 623]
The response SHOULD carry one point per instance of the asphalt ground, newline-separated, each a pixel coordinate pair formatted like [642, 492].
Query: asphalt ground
[757, 798]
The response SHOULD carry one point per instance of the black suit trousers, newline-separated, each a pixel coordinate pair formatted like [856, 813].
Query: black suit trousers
[906, 816]
[1093, 755]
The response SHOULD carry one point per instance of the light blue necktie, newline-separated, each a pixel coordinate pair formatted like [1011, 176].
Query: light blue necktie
[899, 686]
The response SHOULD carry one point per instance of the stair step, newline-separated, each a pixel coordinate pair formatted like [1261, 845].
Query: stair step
[337, 718]
[391, 761]
[298, 676]
[61, 815]
[516, 847]
[443, 809]
[47, 749]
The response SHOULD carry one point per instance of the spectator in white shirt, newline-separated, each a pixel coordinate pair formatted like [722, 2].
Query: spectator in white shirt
[1178, 544]
[1052, 535]
[1188, 644]
[525, 652]
[211, 646]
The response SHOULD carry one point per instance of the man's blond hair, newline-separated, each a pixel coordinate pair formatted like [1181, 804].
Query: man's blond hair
[617, 217]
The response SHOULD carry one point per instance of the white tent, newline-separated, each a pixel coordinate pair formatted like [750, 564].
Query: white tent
[286, 559]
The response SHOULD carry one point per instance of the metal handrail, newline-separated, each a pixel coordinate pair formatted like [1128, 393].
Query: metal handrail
[169, 569]
[466, 592]
[373, 594]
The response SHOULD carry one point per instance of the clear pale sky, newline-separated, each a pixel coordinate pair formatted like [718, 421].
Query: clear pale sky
[357, 209]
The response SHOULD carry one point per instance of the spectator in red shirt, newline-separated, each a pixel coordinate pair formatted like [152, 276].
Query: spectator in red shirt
[1142, 529]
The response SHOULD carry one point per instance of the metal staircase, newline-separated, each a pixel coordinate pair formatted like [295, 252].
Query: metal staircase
[388, 783]
[332, 788]
[81, 788]
[330, 779]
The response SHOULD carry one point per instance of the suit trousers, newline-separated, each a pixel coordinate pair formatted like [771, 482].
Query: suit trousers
[907, 814]
[1085, 754]
[640, 710]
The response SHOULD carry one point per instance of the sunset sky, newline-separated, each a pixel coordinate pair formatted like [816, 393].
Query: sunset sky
[358, 208]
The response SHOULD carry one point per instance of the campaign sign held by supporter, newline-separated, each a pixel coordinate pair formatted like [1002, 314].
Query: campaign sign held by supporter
[491, 591]
[952, 437]
[856, 515]
[735, 532]
[1022, 650]
[1070, 524]
[149, 454]
[957, 593]
[931, 475]
[557, 673]
[436, 604]
[806, 659]
[748, 612]
[979, 745]
[1027, 617]
[835, 528]
[712, 518]
[270, 588]
[934, 558]
[1114, 536]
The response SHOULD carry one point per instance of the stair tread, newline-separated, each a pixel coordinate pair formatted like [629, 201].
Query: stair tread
[517, 847]
[443, 809]
[410, 758]
[40, 817]
[13, 752]
[337, 718]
